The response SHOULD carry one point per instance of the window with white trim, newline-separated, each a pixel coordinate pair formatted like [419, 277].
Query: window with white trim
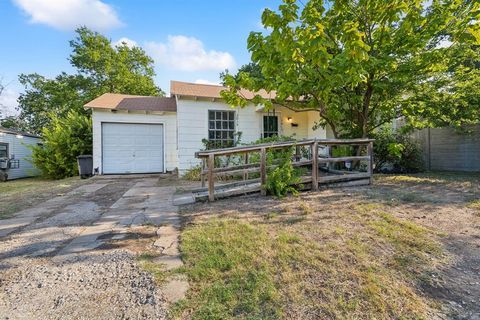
[221, 128]
[3, 150]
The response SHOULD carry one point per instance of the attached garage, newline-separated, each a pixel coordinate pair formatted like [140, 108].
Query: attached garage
[134, 134]
[132, 148]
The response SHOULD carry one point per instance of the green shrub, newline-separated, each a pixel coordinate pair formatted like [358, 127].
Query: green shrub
[63, 141]
[282, 179]
[343, 151]
[273, 139]
[396, 152]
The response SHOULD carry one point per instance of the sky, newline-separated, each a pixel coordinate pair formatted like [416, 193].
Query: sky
[189, 40]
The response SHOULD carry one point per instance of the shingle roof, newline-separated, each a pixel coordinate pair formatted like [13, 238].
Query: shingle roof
[209, 91]
[114, 101]
[16, 132]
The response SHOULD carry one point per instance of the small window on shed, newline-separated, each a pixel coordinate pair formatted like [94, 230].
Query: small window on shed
[3, 150]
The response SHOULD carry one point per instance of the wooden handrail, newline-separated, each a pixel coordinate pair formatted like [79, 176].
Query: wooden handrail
[315, 161]
[274, 145]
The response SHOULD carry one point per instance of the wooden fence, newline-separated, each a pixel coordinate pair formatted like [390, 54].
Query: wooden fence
[315, 155]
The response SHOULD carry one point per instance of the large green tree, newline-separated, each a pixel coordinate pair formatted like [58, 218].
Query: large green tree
[362, 63]
[100, 67]
[45, 97]
[54, 107]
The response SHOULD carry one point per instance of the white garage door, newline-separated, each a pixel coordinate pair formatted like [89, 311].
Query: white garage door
[132, 148]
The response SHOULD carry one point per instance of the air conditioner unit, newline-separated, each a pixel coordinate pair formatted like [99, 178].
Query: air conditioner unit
[4, 163]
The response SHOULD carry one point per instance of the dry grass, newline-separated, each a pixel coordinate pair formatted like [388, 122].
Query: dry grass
[475, 205]
[327, 255]
[16, 195]
[356, 253]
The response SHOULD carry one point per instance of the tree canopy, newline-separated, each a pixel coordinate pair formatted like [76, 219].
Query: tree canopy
[363, 63]
[101, 67]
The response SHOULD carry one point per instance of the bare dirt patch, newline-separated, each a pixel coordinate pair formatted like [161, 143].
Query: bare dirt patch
[16, 195]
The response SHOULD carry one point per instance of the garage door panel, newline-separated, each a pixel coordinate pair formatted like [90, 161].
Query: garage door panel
[132, 148]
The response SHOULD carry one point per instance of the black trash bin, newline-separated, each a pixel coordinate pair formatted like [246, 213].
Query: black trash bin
[85, 166]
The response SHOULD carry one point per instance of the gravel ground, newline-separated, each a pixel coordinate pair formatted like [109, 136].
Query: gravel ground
[99, 286]
[38, 282]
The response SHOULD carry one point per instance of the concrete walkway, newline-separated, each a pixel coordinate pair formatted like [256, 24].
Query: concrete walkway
[75, 229]
[144, 203]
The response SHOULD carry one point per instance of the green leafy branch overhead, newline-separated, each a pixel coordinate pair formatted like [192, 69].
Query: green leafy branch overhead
[363, 63]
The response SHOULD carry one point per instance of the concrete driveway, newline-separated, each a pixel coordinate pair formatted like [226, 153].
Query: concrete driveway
[72, 256]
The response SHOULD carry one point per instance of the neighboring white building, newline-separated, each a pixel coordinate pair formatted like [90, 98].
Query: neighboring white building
[15, 154]
[137, 134]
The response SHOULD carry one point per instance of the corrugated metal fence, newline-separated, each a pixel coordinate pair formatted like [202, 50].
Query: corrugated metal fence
[445, 149]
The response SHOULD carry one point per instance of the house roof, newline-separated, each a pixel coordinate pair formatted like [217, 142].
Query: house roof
[210, 91]
[115, 101]
[17, 132]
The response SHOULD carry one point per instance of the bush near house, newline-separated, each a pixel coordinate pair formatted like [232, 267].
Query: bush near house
[64, 140]
[396, 152]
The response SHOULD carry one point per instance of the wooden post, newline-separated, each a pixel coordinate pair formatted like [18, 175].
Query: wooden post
[211, 187]
[330, 152]
[245, 174]
[315, 166]
[370, 163]
[263, 171]
[202, 174]
[297, 153]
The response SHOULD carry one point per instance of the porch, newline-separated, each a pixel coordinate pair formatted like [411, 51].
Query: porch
[240, 170]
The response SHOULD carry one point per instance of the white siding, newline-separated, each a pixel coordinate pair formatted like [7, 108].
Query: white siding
[299, 118]
[185, 130]
[192, 121]
[319, 133]
[18, 147]
[168, 119]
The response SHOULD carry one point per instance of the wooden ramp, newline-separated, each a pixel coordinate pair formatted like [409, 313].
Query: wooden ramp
[248, 167]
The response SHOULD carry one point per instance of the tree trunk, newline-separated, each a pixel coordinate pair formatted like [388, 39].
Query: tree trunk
[366, 108]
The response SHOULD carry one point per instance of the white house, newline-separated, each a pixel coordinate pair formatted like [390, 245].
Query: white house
[15, 154]
[138, 134]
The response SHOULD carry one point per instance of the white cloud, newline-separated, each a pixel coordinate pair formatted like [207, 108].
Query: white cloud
[8, 102]
[204, 81]
[129, 42]
[189, 54]
[70, 14]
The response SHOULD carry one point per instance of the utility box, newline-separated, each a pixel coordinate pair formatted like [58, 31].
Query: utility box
[3, 163]
[85, 166]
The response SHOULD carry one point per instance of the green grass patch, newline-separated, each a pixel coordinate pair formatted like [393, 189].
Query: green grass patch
[413, 244]
[231, 277]
[147, 263]
[359, 268]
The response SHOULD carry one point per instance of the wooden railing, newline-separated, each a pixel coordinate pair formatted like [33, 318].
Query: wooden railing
[307, 154]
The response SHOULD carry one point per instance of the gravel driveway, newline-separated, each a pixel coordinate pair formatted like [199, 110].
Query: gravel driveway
[68, 258]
